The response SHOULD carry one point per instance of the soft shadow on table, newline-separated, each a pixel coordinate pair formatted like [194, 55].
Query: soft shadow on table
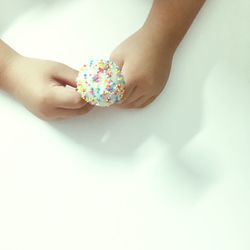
[119, 132]
[175, 118]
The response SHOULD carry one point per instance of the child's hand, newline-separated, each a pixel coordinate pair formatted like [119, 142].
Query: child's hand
[146, 60]
[40, 86]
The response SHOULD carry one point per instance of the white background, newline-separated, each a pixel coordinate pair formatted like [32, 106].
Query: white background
[175, 175]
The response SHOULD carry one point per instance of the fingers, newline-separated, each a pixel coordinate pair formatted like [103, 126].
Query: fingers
[49, 111]
[129, 90]
[67, 98]
[133, 90]
[61, 113]
[134, 95]
[65, 75]
[141, 102]
[135, 103]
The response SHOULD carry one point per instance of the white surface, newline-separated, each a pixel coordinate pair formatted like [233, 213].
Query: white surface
[175, 175]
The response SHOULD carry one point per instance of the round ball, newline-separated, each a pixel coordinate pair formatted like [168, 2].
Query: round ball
[101, 83]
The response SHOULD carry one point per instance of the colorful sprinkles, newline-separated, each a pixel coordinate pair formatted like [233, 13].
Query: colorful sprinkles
[101, 83]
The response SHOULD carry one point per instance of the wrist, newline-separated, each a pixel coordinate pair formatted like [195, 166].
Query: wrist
[170, 20]
[162, 40]
[8, 56]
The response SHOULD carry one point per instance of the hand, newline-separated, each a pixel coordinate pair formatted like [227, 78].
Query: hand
[41, 86]
[145, 59]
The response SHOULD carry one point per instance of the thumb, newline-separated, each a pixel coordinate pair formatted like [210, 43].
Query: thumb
[130, 85]
[119, 60]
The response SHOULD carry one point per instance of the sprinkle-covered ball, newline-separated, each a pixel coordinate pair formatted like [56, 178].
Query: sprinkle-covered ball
[101, 83]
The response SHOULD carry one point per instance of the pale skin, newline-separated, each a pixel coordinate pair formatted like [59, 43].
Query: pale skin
[145, 59]
[40, 85]
[146, 56]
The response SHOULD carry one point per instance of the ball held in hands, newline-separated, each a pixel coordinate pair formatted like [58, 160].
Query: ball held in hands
[101, 83]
